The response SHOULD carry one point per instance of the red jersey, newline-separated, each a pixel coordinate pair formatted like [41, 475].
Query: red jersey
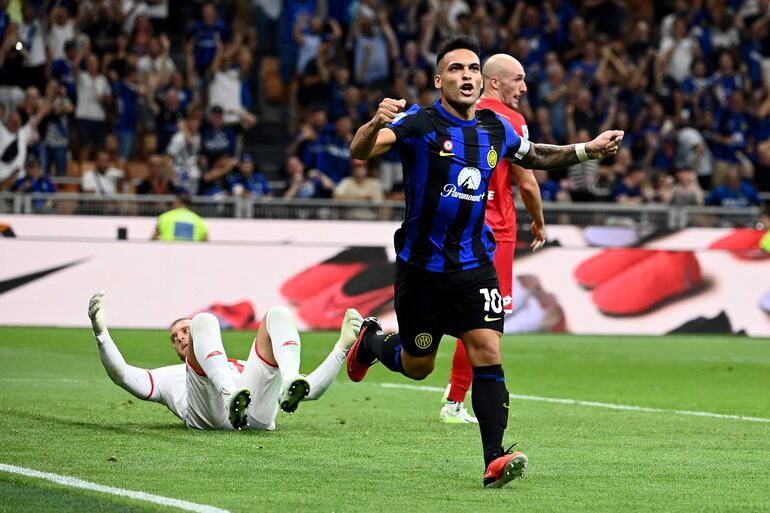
[501, 214]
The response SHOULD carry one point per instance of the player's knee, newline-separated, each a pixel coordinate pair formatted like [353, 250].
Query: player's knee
[486, 354]
[420, 374]
[204, 320]
[488, 357]
[280, 314]
[420, 371]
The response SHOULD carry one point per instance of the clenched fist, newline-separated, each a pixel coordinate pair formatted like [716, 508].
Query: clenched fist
[605, 145]
[387, 111]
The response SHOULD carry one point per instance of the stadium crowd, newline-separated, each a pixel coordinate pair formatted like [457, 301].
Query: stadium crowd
[155, 96]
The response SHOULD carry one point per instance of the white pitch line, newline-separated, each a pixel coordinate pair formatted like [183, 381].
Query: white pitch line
[87, 485]
[595, 404]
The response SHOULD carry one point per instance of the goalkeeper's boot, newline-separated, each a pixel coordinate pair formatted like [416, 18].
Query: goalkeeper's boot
[455, 413]
[359, 359]
[294, 391]
[236, 407]
[506, 468]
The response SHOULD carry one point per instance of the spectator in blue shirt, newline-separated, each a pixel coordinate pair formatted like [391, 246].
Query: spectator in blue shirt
[217, 140]
[127, 92]
[333, 155]
[305, 144]
[562, 10]
[549, 189]
[63, 70]
[5, 20]
[732, 131]
[411, 61]
[168, 114]
[54, 129]
[695, 90]
[629, 189]
[303, 185]
[734, 192]
[203, 38]
[585, 66]
[246, 181]
[727, 80]
[293, 11]
[552, 95]
[182, 88]
[34, 181]
[526, 22]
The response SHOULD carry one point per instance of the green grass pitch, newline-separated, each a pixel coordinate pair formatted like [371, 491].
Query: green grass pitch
[367, 448]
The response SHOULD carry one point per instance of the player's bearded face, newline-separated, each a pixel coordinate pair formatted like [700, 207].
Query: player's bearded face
[180, 337]
[459, 77]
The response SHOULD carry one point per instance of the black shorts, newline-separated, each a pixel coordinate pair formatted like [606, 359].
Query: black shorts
[429, 304]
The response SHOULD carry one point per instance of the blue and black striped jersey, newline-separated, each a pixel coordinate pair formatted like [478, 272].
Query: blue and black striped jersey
[447, 164]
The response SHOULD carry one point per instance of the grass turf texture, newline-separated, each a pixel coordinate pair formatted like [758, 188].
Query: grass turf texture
[366, 448]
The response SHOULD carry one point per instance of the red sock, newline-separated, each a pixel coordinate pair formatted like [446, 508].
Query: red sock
[461, 376]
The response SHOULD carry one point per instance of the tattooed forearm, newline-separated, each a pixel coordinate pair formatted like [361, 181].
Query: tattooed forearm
[549, 156]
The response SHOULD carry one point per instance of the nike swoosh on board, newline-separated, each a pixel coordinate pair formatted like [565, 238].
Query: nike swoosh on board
[19, 281]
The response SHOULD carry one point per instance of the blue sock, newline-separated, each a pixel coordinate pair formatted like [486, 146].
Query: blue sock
[387, 348]
[490, 404]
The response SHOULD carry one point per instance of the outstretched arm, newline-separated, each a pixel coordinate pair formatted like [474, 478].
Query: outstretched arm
[137, 382]
[323, 377]
[548, 156]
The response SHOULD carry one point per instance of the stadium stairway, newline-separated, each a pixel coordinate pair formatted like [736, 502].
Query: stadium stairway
[267, 143]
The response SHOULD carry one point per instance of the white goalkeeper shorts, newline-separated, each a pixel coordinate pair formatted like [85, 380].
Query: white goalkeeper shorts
[207, 410]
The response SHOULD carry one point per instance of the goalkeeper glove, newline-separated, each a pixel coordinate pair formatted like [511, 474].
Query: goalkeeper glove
[96, 313]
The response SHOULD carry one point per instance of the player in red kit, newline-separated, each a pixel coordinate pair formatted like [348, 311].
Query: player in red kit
[504, 86]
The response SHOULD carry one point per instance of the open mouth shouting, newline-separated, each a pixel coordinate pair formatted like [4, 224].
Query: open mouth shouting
[467, 90]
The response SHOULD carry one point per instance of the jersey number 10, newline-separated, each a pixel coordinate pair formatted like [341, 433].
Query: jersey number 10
[492, 299]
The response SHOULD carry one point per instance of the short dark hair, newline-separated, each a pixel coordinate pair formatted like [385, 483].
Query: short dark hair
[458, 43]
[179, 320]
[183, 197]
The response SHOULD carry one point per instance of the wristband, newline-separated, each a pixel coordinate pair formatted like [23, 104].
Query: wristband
[580, 149]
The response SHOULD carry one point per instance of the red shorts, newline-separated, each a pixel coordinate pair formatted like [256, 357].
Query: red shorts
[504, 268]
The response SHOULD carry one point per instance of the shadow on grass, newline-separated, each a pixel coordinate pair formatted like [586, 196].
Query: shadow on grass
[121, 428]
[171, 430]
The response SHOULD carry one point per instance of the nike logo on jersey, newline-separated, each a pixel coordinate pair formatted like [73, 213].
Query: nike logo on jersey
[446, 154]
[491, 319]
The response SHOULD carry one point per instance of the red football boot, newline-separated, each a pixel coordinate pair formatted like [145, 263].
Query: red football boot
[356, 369]
[505, 469]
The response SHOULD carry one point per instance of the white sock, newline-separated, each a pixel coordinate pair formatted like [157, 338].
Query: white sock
[210, 353]
[285, 340]
[322, 378]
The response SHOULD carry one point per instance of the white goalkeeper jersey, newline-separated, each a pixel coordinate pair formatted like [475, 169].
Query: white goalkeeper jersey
[168, 386]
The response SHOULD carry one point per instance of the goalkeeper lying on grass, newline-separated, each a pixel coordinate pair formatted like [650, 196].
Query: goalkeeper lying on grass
[209, 391]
